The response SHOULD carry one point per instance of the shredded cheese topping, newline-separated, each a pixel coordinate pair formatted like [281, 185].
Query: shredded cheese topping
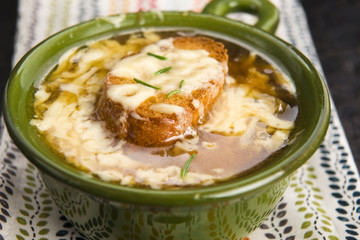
[65, 103]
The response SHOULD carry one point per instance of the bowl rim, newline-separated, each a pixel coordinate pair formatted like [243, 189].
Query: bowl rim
[262, 180]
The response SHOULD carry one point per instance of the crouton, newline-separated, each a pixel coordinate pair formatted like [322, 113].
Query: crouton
[161, 94]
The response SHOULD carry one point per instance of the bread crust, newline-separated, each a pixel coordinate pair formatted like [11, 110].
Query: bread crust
[146, 127]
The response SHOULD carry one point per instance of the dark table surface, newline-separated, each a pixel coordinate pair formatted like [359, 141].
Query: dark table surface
[335, 27]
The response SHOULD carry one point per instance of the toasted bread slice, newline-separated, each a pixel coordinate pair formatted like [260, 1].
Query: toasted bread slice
[160, 118]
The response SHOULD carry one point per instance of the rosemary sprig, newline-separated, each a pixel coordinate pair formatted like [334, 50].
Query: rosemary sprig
[146, 84]
[172, 93]
[157, 56]
[181, 83]
[164, 70]
[186, 166]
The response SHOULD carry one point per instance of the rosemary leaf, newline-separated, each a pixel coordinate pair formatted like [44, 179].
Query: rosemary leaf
[146, 84]
[187, 164]
[181, 83]
[172, 93]
[164, 70]
[157, 56]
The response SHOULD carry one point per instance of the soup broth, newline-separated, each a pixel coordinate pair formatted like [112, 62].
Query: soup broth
[250, 121]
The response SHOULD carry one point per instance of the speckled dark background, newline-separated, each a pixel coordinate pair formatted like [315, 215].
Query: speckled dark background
[335, 27]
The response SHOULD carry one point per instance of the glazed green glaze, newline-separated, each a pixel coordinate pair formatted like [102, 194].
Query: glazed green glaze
[239, 205]
[98, 218]
[267, 13]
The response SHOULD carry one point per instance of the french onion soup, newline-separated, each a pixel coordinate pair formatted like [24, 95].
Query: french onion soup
[165, 109]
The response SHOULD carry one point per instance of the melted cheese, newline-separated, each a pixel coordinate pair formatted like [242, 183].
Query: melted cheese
[195, 103]
[167, 108]
[67, 124]
[130, 95]
[195, 67]
[233, 119]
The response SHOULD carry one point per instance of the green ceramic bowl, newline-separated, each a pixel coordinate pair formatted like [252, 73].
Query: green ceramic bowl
[230, 210]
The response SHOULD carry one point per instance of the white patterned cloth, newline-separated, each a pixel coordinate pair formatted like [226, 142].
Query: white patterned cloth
[322, 201]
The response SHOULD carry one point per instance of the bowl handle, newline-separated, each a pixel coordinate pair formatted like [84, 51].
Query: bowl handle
[267, 13]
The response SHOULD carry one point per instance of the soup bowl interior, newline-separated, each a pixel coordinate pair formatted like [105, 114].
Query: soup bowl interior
[182, 208]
